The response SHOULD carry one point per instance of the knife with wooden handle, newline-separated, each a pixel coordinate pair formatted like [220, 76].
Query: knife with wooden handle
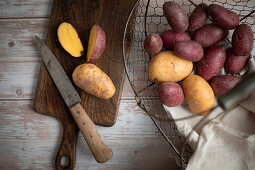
[101, 152]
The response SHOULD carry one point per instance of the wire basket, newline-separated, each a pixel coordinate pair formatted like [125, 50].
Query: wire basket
[147, 17]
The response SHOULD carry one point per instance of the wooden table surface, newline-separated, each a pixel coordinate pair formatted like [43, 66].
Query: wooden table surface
[29, 140]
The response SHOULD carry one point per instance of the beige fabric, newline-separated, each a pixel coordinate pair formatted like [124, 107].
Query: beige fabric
[221, 147]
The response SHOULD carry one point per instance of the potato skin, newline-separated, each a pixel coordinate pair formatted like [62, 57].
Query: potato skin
[189, 50]
[198, 17]
[169, 37]
[167, 66]
[242, 40]
[199, 94]
[209, 35]
[223, 17]
[235, 63]
[170, 94]
[93, 80]
[176, 16]
[153, 44]
[212, 62]
[99, 46]
[224, 83]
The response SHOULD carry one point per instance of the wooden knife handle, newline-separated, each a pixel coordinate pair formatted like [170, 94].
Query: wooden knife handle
[101, 152]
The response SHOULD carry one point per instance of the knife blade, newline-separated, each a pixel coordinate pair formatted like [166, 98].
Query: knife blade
[101, 152]
[58, 74]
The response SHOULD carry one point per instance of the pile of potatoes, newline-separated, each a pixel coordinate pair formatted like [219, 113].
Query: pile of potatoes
[174, 66]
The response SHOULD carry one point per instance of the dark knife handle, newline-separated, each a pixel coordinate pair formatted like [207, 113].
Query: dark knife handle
[239, 92]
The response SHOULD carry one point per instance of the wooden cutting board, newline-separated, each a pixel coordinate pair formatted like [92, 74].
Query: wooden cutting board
[111, 15]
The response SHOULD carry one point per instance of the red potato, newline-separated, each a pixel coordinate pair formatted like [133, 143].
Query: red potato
[170, 94]
[169, 37]
[96, 45]
[242, 40]
[189, 50]
[176, 16]
[209, 35]
[198, 17]
[153, 44]
[224, 83]
[235, 63]
[212, 62]
[223, 17]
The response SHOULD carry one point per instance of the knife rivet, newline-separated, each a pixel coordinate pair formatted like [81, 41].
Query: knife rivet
[11, 44]
[19, 92]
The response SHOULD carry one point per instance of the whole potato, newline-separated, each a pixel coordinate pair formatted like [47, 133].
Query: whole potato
[189, 50]
[153, 44]
[235, 63]
[169, 37]
[224, 83]
[176, 16]
[167, 66]
[223, 17]
[209, 35]
[170, 94]
[242, 40]
[212, 62]
[199, 94]
[198, 17]
[93, 80]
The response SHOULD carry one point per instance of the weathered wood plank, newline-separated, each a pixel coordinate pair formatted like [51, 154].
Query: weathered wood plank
[32, 140]
[25, 9]
[128, 154]
[19, 121]
[19, 59]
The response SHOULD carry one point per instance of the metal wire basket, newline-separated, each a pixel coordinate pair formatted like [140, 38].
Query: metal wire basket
[147, 17]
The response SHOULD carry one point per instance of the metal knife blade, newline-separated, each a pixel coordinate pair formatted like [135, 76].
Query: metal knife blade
[58, 74]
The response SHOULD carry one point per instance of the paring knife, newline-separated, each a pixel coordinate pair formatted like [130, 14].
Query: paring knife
[101, 152]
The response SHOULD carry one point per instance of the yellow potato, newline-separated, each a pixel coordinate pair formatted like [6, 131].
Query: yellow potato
[199, 94]
[167, 66]
[94, 81]
[70, 40]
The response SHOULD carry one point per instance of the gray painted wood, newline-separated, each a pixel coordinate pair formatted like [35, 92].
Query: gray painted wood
[29, 140]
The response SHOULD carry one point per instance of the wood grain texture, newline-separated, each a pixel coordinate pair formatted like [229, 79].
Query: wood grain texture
[30, 141]
[25, 9]
[83, 15]
[47, 98]
[101, 152]
[19, 58]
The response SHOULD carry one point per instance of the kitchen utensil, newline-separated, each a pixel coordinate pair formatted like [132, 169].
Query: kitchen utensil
[149, 19]
[111, 16]
[101, 152]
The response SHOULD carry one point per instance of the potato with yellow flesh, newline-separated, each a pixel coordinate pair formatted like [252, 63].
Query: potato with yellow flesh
[199, 94]
[93, 80]
[70, 40]
[96, 44]
[167, 66]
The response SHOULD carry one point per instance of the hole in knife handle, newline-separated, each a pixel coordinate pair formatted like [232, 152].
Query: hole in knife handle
[65, 161]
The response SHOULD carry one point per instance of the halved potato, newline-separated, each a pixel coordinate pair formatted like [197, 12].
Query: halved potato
[70, 40]
[96, 44]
